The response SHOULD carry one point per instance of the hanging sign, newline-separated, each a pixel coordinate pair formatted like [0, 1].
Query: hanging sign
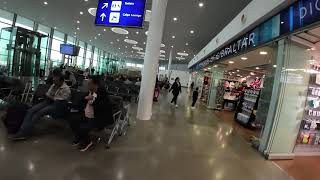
[121, 13]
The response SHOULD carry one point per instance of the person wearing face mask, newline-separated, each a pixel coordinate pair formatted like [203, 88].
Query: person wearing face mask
[176, 90]
[55, 105]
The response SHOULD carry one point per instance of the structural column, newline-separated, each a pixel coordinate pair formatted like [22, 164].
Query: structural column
[169, 65]
[151, 59]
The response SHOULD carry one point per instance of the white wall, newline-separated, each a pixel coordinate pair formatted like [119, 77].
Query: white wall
[183, 75]
[256, 12]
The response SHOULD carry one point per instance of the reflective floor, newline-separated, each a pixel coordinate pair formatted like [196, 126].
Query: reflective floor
[177, 144]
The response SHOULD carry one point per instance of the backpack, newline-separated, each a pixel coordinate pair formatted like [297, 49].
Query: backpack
[15, 114]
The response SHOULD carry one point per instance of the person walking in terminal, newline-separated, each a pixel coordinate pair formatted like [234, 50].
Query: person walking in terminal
[195, 97]
[176, 90]
[97, 115]
[55, 105]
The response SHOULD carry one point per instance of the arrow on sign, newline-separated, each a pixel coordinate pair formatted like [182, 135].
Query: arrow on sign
[103, 15]
[105, 5]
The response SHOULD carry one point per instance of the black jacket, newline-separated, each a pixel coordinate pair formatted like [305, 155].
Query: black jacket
[102, 109]
[175, 88]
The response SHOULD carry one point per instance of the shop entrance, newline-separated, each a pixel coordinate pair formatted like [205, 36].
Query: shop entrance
[243, 94]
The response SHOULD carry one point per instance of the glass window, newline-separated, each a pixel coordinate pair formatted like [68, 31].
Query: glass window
[139, 65]
[88, 56]
[24, 23]
[43, 29]
[58, 35]
[6, 17]
[71, 40]
[162, 68]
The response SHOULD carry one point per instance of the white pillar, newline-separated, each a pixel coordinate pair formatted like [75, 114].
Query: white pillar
[169, 65]
[151, 59]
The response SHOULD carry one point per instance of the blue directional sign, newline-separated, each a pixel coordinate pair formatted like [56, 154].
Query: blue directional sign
[123, 13]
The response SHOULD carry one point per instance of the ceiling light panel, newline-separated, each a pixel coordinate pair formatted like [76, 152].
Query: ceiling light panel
[130, 41]
[119, 31]
[182, 54]
[137, 48]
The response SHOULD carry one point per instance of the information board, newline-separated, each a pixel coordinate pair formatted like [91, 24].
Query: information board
[120, 13]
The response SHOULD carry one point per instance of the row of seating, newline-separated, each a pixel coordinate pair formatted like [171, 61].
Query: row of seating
[128, 92]
[120, 109]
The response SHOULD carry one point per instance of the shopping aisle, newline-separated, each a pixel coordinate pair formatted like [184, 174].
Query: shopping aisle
[177, 144]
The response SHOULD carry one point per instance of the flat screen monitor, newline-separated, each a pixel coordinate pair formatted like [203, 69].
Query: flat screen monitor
[68, 49]
[121, 13]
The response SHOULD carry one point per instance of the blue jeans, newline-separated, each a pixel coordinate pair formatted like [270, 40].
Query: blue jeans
[36, 112]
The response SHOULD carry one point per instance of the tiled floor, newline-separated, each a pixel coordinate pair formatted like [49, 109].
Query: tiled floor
[177, 144]
[302, 168]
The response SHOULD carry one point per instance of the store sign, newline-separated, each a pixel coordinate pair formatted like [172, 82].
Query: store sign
[123, 13]
[260, 35]
[300, 14]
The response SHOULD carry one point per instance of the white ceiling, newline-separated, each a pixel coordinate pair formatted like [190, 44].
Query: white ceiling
[206, 22]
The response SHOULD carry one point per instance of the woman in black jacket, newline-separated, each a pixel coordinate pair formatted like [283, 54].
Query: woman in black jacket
[97, 115]
[176, 90]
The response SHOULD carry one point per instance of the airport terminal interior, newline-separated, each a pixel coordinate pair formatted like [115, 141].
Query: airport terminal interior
[160, 89]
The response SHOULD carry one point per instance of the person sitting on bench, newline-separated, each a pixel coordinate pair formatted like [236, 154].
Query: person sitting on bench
[97, 115]
[55, 105]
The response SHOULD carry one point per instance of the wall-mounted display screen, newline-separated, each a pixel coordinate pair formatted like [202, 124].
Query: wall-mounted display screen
[68, 49]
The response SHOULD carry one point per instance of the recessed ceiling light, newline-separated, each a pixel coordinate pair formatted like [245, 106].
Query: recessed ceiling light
[252, 74]
[172, 46]
[163, 45]
[81, 13]
[130, 41]
[95, 37]
[118, 40]
[263, 53]
[111, 42]
[191, 31]
[238, 70]
[75, 32]
[119, 48]
[201, 4]
[45, 3]
[104, 30]
[162, 51]
[173, 37]
[182, 54]
[137, 48]
[86, 0]
[90, 40]
[92, 11]
[187, 44]
[78, 28]
[55, 27]
[274, 66]
[78, 22]
[99, 34]
[257, 68]
[282, 22]
[244, 58]
[126, 46]
[119, 31]
[231, 62]
[146, 33]
[137, 32]
[175, 19]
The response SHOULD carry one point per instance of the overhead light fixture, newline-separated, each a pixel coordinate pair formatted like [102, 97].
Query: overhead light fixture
[175, 19]
[231, 62]
[137, 32]
[130, 41]
[173, 37]
[119, 31]
[45, 3]
[92, 11]
[187, 44]
[282, 22]
[78, 22]
[99, 34]
[111, 42]
[257, 68]
[78, 28]
[104, 30]
[252, 74]
[86, 0]
[274, 66]
[81, 13]
[191, 31]
[263, 52]
[163, 45]
[95, 37]
[75, 32]
[244, 58]
[183, 54]
[172, 46]
[118, 40]
[238, 70]
[201, 4]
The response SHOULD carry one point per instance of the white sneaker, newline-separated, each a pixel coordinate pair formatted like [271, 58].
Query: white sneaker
[177, 106]
[193, 107]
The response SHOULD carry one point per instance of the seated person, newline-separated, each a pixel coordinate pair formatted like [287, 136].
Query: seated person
[55, 105]
[70, 79]
[127, 81]
[97, 115]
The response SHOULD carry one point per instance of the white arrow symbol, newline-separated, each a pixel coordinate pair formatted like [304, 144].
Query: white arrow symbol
[105, 5]
[103, 15]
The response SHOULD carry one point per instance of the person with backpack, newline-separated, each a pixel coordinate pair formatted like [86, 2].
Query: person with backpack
[195, 98]
[55, 105]
[176, 90]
